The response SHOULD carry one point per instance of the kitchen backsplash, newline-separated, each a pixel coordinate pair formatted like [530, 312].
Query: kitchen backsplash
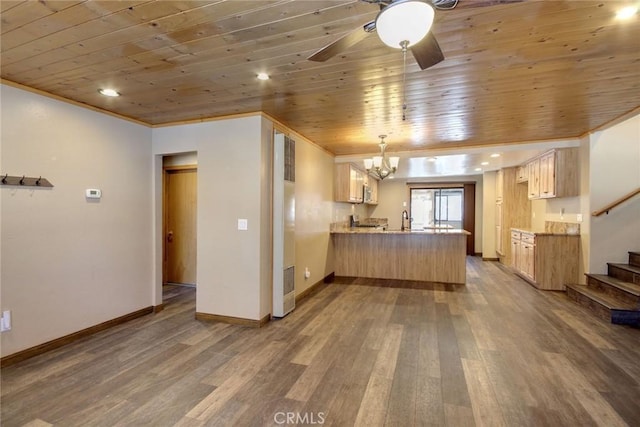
[375, 221]
[561, 227]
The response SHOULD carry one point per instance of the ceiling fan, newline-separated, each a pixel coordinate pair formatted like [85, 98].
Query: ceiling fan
[405, 16]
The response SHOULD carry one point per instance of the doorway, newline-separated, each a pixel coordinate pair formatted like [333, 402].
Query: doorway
[179, 228]
[440, 206]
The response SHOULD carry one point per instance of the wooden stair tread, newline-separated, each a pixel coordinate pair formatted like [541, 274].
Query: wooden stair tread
[628, 287]
[628, 267]
[609, 301]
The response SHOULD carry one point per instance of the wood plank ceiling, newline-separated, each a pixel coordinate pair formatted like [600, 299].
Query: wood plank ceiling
[523, 71]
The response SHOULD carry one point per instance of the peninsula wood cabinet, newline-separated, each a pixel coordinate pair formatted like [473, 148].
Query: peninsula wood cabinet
[554, 174]
[348, 183]
[548, 261]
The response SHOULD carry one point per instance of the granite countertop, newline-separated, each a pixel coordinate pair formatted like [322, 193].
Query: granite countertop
[543, 233]
[370, 230]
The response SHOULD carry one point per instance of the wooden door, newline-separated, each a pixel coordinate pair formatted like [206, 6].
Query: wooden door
[180, 204]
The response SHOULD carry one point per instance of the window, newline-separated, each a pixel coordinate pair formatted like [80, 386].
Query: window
[436, 208]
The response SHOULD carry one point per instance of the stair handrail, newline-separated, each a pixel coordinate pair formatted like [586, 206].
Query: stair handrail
[615, 203]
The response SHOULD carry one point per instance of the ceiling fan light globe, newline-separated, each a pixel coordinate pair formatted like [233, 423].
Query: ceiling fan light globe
[404, 21]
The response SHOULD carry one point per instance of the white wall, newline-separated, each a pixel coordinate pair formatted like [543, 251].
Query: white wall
[69, 263]
[585, 198]
[614, 172]
[231, 185]
[234, 181]
[314, 207]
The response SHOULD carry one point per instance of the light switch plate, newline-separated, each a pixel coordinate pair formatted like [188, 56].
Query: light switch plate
[243, 224]
[579, 217]
[93, 193]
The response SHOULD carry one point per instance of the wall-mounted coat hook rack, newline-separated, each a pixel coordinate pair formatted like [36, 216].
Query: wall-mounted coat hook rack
[25, 181]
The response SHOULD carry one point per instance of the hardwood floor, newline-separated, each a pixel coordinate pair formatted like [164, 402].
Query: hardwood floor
[494, 352]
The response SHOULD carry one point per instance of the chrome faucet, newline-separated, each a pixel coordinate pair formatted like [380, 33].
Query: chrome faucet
[405, 215]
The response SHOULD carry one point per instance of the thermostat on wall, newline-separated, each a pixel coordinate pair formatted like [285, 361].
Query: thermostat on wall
[93, 193]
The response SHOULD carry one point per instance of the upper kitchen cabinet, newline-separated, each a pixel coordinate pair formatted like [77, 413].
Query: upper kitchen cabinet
[370, 190]
[522, 173]
[348, 183]
[554, 174]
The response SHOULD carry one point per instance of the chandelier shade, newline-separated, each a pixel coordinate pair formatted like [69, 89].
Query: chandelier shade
[404, 23]
[380, 166]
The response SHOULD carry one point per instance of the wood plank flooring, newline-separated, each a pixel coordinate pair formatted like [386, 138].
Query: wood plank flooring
[496, 352]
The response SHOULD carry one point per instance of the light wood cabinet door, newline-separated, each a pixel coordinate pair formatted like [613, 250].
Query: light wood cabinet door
[373, 185]
[522, 173]
[356, 185]
[499, 230]
[516, 256]
[527, 263]
[348, 183]
[554, 174]
[499, 185]
[534, 179]
[548, 175]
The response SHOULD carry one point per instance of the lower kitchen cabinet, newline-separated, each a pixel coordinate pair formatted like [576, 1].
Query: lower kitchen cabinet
[547, 261]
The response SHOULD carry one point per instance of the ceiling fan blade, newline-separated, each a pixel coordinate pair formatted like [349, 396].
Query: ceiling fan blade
[341, 44]
[427, 51]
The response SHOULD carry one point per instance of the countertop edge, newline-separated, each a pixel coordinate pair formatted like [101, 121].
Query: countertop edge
[406, 233]
[543, 233]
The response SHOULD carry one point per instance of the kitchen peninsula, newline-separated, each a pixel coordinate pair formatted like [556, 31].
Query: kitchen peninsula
[435, 255]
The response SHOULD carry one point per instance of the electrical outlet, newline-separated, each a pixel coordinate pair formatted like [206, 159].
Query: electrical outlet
[579, 217]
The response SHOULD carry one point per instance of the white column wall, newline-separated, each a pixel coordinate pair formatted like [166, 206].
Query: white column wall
[614, 172]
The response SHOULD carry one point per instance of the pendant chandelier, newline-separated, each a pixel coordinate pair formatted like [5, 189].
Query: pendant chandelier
[380, 166]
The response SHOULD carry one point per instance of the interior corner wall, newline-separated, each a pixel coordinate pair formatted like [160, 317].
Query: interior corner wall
[614, 172]
[68, 262]
[231, 173]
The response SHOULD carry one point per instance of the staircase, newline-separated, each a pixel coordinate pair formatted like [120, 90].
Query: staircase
[614, 296]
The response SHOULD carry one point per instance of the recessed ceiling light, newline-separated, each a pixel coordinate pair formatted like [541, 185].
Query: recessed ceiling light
[432, 159]
[263, 76]
[109, 92]
[627, 12]
[484, 163]
[478, 169]
[494, 155]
